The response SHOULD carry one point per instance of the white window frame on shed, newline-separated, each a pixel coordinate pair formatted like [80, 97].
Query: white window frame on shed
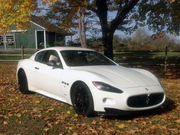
[10, 37]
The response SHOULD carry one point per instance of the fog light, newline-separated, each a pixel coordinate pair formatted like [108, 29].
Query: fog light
[108, 101]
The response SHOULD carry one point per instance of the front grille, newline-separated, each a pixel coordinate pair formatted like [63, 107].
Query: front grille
[145, 100]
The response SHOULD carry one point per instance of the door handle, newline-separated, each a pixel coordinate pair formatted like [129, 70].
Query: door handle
[36, 68]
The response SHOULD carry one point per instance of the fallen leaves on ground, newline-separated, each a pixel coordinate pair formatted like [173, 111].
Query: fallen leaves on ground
[37, 114]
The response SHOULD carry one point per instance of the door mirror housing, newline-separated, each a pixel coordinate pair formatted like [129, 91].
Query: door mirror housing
[51, 63]
[54, 65]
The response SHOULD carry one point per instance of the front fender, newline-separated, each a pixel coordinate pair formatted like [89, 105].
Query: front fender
[147, 73]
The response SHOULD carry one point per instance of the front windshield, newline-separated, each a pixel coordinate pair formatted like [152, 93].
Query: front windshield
[84, 58]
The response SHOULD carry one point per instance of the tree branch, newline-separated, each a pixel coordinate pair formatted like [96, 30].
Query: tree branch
[121, 15]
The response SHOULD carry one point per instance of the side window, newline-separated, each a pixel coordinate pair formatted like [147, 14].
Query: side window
[39, 56]
[52, 56]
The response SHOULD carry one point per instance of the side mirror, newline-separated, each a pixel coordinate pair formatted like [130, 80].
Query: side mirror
[51, 63]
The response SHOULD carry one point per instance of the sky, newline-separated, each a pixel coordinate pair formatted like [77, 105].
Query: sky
[111, 15]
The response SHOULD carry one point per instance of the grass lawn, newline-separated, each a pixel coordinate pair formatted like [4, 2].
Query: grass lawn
[146, 57]
[36, 114]
[119, 57]
[141, 53]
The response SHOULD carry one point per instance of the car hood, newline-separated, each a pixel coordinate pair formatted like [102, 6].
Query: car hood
[118, 76]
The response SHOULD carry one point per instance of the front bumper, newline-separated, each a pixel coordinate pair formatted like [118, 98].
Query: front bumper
[132, 99]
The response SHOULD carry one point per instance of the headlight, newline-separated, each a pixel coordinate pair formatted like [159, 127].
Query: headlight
[106, 87]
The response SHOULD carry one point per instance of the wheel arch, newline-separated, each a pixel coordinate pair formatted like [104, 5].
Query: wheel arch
[90, 109]
[25, 72]
[75, 83]
[20, 69]
[17, 73]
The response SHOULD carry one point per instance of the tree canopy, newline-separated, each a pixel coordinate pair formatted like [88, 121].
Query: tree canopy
[128, 15]
[157, 14]
[17, 12]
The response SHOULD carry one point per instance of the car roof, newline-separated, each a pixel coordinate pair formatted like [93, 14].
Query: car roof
[61, 49]
[68, 48]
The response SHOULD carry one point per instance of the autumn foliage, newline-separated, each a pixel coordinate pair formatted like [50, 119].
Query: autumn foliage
[17, 12]
[37, 114]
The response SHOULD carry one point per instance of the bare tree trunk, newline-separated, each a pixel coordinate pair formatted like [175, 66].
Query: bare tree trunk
[107, 33]
[107, 40]
[166, 42]
[82, 29]
[108, 28]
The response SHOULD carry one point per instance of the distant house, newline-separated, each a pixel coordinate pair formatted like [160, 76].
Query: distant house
[40, 34]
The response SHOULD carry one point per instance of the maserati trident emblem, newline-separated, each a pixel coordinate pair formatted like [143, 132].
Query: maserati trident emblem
[147, 99]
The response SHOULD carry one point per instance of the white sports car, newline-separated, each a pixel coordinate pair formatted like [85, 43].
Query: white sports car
[89, 81]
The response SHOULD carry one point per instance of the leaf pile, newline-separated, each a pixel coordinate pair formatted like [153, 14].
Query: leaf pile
[37, 114]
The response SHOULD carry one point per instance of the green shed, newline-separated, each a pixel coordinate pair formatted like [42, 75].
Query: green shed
[40, 34]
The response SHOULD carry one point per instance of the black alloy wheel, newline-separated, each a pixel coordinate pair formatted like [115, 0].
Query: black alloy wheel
[82, 99]
[22, 82]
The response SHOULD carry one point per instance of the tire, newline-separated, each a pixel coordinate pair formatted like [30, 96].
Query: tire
[82, 100]
[22, 82]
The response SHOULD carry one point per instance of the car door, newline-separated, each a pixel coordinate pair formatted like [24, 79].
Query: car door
[49, 76]
[33, 69]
